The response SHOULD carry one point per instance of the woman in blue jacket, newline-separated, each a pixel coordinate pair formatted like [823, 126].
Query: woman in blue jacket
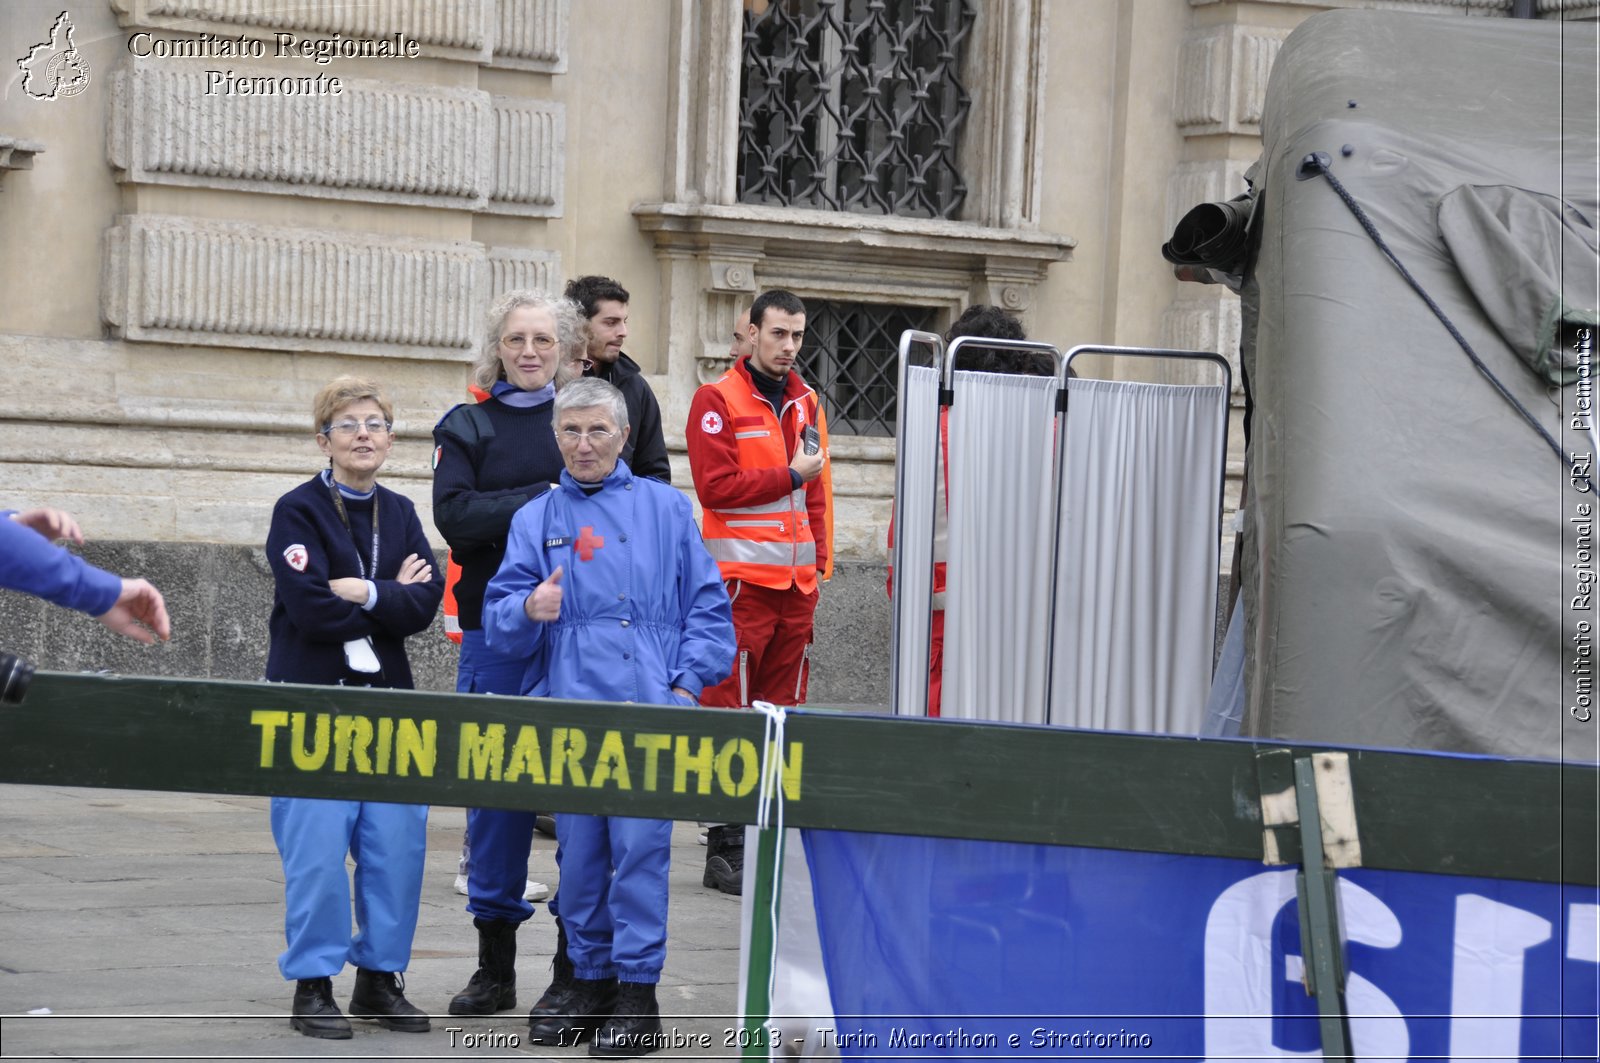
[353, 576]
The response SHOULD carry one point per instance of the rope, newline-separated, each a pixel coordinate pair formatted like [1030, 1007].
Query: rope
[1318, 163]
[768, 794]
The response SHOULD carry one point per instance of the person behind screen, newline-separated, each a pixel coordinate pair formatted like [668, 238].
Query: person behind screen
[352, 577]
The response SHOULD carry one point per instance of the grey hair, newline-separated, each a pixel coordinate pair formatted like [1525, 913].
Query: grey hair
[588, 392]
[569, 321]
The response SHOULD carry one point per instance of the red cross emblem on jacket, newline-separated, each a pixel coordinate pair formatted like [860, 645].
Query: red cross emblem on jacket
[588, 542]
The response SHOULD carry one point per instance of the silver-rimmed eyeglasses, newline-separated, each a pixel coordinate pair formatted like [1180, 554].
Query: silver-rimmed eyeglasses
[597, 437]
[374, 427]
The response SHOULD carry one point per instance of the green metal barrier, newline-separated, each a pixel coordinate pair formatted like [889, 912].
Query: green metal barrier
[1534, 821]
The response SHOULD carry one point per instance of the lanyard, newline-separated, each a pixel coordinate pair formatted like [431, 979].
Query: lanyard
[338, 504]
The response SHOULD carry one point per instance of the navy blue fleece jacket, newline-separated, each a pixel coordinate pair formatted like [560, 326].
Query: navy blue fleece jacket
[310, 624]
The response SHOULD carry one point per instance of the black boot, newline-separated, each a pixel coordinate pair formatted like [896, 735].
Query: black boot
[584, 1008]
[314, 1013]
[725, 859]
[552, 1001]
[493, 986]
[381, 995]
[635, 1025]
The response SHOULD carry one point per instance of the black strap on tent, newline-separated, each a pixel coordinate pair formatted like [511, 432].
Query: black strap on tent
[1320, 163]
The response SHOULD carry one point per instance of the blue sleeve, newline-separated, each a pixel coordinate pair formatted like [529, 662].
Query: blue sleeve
[505, 620]
[406, 608]
[706, 650]
[313, 608]
[33, 565]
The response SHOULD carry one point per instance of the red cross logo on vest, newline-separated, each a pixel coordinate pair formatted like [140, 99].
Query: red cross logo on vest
[588, 542]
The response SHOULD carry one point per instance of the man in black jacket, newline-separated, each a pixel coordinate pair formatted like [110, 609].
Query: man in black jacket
[605, 304]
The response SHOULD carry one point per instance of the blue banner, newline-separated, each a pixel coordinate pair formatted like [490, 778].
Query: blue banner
[997, 950]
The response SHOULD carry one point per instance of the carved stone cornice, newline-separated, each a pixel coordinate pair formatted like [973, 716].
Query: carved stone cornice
[861, 239]
[718, 257]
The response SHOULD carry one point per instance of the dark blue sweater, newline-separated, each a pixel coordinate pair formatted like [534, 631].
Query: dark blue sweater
[310, 624]
[489, 461]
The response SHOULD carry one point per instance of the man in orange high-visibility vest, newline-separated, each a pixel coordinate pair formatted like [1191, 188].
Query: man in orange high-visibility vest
[758, 451]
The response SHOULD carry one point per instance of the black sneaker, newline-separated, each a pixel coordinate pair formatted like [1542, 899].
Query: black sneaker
[315, 1014]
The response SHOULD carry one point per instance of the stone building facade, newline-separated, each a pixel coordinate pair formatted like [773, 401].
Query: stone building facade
[202, 232]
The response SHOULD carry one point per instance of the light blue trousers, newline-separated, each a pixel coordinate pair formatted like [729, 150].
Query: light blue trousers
[614, 894]
[388, 843]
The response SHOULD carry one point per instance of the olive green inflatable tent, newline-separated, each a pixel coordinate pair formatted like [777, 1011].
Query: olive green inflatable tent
[1418, 548]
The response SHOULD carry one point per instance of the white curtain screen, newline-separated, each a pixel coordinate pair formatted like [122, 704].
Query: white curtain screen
[913, 527]
[1002, 511]
[1136, 567]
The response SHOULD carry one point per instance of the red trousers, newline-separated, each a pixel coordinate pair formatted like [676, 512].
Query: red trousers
[774, 659]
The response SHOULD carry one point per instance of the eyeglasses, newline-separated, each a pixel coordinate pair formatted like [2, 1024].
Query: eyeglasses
[596, 436]
[374, 427]
[519, 342]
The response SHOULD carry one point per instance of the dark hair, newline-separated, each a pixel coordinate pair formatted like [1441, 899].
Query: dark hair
[991, 322]
[981, 319]
[776, 299]
[588, 292]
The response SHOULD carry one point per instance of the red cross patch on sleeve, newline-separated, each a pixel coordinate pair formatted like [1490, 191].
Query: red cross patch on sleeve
[711, 423]
[297, 557]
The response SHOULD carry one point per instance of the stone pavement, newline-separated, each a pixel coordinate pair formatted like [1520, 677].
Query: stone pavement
[149, 925]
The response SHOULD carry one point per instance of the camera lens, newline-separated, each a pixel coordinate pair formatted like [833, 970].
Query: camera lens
[15, 675]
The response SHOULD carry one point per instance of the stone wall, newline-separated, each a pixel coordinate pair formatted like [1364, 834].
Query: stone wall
[220, 596]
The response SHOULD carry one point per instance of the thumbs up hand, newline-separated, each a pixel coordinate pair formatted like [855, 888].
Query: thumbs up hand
[544, 604]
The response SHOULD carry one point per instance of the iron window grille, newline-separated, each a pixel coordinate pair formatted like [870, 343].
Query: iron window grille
[854, 105]
[851, 357]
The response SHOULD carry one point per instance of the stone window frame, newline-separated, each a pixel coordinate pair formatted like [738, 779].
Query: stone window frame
[716, 253]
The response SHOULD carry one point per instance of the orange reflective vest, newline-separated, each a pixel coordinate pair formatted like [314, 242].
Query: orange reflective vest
[452, 571]
[772, 544]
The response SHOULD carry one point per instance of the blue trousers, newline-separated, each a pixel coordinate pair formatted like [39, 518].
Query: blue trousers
[614, 894]
[388, 843]
[498, 840]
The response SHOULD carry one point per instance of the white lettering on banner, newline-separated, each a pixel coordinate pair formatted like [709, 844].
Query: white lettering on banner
[1238, 969]
[1583, 932]
[1491, 940]
[1238, 972]
[1583, 939]
[1491, 944]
